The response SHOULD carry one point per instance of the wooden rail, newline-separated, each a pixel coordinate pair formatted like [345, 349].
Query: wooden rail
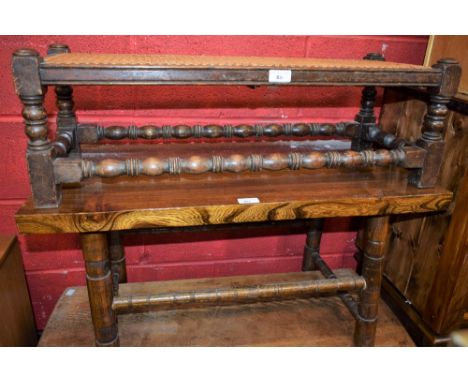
[237, 295]
[63, 143]
[345, 297]
[91, 133]
[68, 170]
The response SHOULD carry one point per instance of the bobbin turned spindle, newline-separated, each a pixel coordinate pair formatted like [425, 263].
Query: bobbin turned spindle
[66, 117]
[39, 154]
[366, 115]
[434, 122]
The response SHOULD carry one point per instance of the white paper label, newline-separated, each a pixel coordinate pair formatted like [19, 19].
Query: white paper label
[70, 292]
[279, 76]
[248, 200]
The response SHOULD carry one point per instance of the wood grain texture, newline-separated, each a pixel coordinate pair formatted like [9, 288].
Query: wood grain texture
[117, 260]
[17, 327]
[236, 163]
[417, 254]
[448, 299]
[450, 46]
[420, 332]
[375, 239]
[366, 114]
[39, 154]
[91, 133]
[237, 290]
[212, 199]
[99, 284]
[312, 244]
[314, 322]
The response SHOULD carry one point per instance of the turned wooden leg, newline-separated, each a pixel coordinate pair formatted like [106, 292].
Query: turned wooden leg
[312, 246]
[375, 236]
[117, 259]
[99, 281]
[434, 123]
[66, 117]
[40, 154]
[366, 115]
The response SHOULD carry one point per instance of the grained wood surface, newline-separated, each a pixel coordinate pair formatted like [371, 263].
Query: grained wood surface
[17, 326]
[417, 244]
[235, 290]
[450, 46]
[376, 235]
[449, 299]
[100, 288]
[213, 199]
[315, 322]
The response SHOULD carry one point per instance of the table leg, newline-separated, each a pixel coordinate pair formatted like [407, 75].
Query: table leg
[99, 282]
[117, 259]
[312, 246]
[375, 236]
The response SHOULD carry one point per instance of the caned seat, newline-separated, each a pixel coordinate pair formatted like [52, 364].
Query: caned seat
[183, 69]
[85, 60]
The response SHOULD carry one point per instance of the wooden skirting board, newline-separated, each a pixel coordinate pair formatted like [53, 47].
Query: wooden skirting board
[313, 322]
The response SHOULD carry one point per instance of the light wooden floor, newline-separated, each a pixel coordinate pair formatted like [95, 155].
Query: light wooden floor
[315, 322]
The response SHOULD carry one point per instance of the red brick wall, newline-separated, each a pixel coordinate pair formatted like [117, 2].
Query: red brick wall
[54, 262]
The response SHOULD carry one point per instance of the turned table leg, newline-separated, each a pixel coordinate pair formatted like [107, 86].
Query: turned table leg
[375, 236]
[312, 246]
[99, 282]
[117, 260]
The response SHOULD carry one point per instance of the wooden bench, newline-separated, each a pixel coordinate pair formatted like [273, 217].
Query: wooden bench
[245, 174]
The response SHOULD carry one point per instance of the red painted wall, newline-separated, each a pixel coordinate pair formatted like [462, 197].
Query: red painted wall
[53, 262]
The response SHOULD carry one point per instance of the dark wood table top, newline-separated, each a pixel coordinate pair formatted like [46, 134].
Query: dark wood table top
[123, 203]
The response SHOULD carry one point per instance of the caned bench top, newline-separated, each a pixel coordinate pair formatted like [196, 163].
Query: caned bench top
[92, 68]
[220, 62]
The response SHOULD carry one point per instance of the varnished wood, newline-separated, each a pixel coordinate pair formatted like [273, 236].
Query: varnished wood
[421, 333]
[366, 115]
[154, 166]
[66, 117]
[99, 282]
[117, 260]
[17, 326]
[313, 322]
[433, 125]
[206, 200]
[63, 143]
[239, 290]
[415, 265]
[385, 139]
[444, 310]
[312, 245]
[198, 70]
[40, 154]
[450, 46]
[89, 133]
[175, 159]
[376, 237]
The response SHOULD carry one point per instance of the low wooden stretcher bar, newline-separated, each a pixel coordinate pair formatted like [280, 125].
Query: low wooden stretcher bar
[300, 285]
